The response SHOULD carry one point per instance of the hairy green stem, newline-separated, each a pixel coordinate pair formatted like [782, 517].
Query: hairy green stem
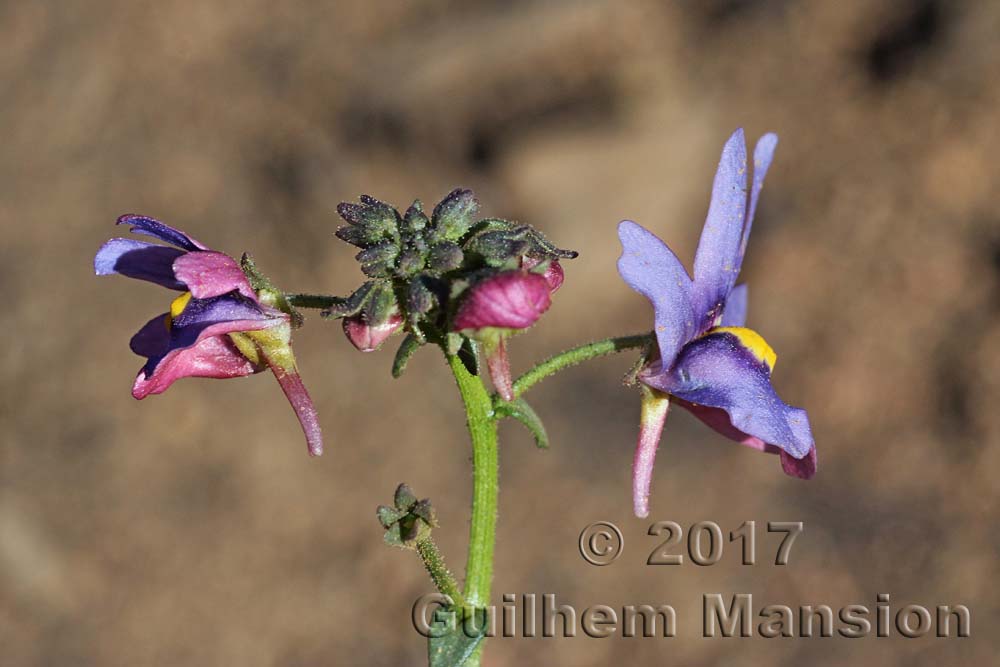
[578, 355]
[485, 483]
[440, 575]
[313, 300]
[482, 422]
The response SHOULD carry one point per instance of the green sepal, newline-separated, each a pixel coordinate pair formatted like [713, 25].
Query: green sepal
[445, 256]
[499, 241]
[404, 498]
[420, 300]
[380, 304]
[406, 349]
[388, 515]
[409, 522]
[544, 248]
[455, 214]
[410, 262]
[377, 260]
[414, 220]
[453, 647]
[370, 222]
[268, 294]
[497, 247]
[524, 413]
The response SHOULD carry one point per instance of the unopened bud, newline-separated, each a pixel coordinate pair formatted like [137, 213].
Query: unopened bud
[508, 300]
[367, 337]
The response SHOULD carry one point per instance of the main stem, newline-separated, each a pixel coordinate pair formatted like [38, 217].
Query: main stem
[485, 483]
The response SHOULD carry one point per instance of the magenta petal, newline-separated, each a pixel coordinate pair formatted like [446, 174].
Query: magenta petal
[140, 224]
[208, 274]
[654, 413]
[804, 468]
[735, 312]
[508, 300]
[301, 402]
[718, 419]
[186, 338]
[649, 267]
[554, 273]
[211, 357]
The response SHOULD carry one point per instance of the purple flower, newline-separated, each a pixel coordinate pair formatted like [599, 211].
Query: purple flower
[217, 328]
[709, 363]
[500, 306]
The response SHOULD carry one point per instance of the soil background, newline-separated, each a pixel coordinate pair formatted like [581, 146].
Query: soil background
[192, 529]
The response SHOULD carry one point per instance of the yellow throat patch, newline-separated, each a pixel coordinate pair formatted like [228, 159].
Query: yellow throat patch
[752, 341]
[177, 307]
[179, 304]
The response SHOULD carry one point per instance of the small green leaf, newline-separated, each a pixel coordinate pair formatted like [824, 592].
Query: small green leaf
[524, 413]
[406, 349]
[453, 647]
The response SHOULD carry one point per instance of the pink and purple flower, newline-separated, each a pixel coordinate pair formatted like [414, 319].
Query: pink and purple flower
[219, 326]
[709, 362]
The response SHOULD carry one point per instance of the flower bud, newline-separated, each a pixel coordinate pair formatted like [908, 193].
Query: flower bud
[366, 337]
[507, 300]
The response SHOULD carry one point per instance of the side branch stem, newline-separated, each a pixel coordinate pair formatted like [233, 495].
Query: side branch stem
[440, 575]
[318, 301]
[578, 355]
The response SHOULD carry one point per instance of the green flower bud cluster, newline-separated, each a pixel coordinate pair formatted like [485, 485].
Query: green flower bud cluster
[419, 266]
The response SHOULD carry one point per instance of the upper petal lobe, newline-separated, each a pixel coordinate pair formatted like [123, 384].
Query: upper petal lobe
[138, 259]
[140, 224]
[716, 263]
[763, 153]
[649, 267]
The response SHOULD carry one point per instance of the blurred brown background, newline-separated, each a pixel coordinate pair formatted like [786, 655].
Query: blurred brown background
[192, 529]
